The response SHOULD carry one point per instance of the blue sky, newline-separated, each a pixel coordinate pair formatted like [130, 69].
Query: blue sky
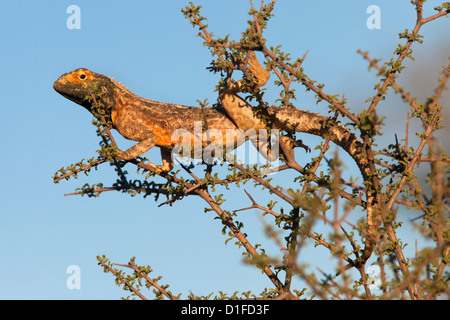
[154, 51]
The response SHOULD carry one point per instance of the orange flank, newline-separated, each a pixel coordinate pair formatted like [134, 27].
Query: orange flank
[164, 137]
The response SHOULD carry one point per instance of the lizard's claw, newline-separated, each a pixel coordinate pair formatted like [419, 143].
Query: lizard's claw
[299, 143]
[157, 170]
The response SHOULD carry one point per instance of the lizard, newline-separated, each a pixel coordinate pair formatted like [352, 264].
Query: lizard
[152, 123]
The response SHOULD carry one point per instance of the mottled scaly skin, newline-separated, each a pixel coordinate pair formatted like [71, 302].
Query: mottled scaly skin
[153, 123]
[149, 122]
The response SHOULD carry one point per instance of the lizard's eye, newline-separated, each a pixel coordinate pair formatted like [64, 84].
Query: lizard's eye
[82, 76]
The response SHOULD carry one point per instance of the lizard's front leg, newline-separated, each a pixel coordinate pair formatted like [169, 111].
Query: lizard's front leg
[142, 147]
[138, 149]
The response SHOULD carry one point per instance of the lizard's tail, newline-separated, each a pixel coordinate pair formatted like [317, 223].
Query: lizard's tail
[307, 122]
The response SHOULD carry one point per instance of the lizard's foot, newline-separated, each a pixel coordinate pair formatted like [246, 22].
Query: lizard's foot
[166, 156]
[156, 170]
[299, 143]
[261, 75]
[290, 143]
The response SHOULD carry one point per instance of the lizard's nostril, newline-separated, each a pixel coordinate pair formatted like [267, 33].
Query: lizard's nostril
[56, 85]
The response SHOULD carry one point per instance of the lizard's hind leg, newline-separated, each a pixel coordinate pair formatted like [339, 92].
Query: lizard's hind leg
[285, 144]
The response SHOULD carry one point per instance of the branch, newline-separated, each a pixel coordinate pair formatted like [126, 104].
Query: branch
[311, 86]
[404, 94]
[228, 221]
[403, 53]
[308, 234]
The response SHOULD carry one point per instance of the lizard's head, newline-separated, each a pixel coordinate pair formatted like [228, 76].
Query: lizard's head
[81, 85]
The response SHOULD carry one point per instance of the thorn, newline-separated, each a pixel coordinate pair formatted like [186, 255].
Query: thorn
[304, 56]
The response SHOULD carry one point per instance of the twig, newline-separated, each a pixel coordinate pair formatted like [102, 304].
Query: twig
[136, 269]
[404, 94]
[122, 280]
[83, 168]
[257, 206]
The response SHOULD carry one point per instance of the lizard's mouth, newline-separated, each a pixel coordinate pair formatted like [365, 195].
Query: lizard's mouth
[61, 87]
[58, 85]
